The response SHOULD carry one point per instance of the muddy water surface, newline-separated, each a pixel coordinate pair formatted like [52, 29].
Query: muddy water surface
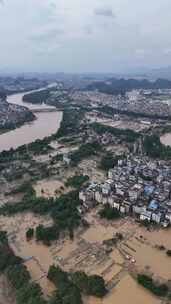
[127, 291]
[46, 124]
[166, 139]
[48, 188]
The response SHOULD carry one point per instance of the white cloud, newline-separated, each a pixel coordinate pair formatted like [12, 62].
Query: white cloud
[77, 35]
[104, 11]
[167, 51]
[140, 52]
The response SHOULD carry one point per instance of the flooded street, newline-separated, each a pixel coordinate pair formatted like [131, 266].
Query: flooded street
[46, 124]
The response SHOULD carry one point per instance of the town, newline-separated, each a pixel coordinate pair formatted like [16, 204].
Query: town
[138, 187]
[85, 152]
[148, 102]
[90, 199]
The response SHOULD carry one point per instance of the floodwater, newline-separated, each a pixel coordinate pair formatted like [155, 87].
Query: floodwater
[46, 124]
[37, 257]
[48, 188]
[98, 233]
[158, 237]
[166, 139]
[101, 230]
[18, 99]
[89, 258]
[127, 291]
[7, 295]
[147, 257]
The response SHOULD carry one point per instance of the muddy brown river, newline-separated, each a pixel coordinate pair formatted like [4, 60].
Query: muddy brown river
[46, 124]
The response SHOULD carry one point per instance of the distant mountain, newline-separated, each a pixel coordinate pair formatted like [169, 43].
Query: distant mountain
[164, 72]
[120, 86]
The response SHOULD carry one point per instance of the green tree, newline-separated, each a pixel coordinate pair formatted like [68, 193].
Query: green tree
[108, 161]
[29, 233]
[18, 275]
[168, 253]
[97, 286]
[109, 213]
[3, 237]
[30, 294]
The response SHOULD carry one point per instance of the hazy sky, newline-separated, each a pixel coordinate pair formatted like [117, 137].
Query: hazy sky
[84, 35]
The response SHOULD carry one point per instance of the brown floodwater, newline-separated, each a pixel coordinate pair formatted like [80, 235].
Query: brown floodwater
[18, 99]
[48, 188]
[166, 139]
[46, 124]
[150, 258]
[38, 258]
[127, 291]
[98, 234]
[41, 257]
[7, 295]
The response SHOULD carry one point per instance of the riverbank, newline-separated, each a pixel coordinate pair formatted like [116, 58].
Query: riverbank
[45, 123]
[115, 250]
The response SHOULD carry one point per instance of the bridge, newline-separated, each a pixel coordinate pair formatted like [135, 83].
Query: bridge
[45, 110]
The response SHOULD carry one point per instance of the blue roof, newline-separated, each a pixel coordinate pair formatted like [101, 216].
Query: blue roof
[153, 205]
[149, 189]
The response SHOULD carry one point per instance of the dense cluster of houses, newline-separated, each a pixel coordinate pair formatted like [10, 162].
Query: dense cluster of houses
[136, 187]
[138, 101]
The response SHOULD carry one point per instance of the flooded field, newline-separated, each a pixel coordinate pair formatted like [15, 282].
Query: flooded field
[127, 291]
[80, 254]
[120, 124]
[153, 260]
[101, 230]
[87, 253]
[158, 237]
[48, 188]
[166, 139]
[37, 257]
[98, 233]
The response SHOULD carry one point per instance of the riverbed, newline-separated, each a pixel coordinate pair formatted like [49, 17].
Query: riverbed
[46, 123]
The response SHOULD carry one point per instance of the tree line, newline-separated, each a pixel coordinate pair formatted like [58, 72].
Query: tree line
[71, 286]
[62, 210]
[18, 276]
[126, 135]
